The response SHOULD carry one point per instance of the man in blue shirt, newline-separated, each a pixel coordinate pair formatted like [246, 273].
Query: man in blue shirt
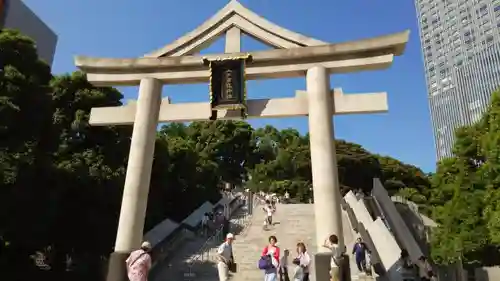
[359, 252]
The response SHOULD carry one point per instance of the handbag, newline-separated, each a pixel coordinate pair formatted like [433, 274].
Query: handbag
[265, 262]
[233, 267]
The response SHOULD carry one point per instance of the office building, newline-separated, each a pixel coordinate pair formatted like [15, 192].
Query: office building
[460, 44]
[14, 14]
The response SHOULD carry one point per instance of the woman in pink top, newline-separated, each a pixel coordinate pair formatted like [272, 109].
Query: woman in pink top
[271, 274]
[139, 263]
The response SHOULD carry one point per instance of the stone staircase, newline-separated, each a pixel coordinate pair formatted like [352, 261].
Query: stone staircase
[294, 223]
[196, 259]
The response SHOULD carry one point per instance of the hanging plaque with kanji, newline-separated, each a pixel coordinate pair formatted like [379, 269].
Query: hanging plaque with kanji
[227, 84]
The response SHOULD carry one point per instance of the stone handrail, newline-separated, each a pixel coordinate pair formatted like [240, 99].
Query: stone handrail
[397, 225]
[204, 253]
[360, 229]
[168, 235]
[385, 250]
[411, 205]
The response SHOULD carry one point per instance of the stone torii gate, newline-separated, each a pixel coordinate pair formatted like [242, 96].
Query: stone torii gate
[177, 63]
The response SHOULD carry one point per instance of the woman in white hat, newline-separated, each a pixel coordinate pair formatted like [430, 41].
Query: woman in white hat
[139, 263]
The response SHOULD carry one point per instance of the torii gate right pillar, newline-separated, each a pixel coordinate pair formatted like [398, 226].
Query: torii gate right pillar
[325, 180]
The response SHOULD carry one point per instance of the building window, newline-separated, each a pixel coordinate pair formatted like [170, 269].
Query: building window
[474, 105]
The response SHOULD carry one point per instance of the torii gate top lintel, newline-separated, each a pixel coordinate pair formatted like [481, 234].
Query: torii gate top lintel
[235, 15]
[177, 63]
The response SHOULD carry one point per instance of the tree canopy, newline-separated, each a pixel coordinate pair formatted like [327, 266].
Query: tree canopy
[61, 180]
[465, 194]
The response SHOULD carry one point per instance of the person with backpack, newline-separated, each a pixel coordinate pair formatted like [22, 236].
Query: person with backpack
[138, 263]
[269, 260]
[332, 243]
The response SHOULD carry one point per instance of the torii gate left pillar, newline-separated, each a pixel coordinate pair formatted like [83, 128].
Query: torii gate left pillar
[137, 179]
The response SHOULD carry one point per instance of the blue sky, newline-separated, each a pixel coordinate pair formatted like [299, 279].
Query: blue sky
[131, 28]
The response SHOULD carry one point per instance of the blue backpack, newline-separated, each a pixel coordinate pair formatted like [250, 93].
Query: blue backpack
[265, 262]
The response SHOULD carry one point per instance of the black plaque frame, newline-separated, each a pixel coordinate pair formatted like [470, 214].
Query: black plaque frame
[227, 86]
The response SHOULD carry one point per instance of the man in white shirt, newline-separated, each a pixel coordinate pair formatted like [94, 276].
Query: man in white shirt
[268, 209]
[332, 243]
[225, 257]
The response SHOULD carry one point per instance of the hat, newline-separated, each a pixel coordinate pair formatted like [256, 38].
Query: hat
[229, 236]
[146, 245]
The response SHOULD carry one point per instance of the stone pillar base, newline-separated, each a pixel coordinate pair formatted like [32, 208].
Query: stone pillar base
[345, 269]
[322, 267]
[117, 270]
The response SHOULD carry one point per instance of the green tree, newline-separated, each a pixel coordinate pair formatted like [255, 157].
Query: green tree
[285, 165]
[465, 194]
[25, 114]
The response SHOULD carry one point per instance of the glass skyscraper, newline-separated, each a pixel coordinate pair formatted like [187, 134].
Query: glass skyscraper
[461, 49]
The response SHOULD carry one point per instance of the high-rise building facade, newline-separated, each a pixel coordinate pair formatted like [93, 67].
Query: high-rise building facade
[14, 14]
[461, 49]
